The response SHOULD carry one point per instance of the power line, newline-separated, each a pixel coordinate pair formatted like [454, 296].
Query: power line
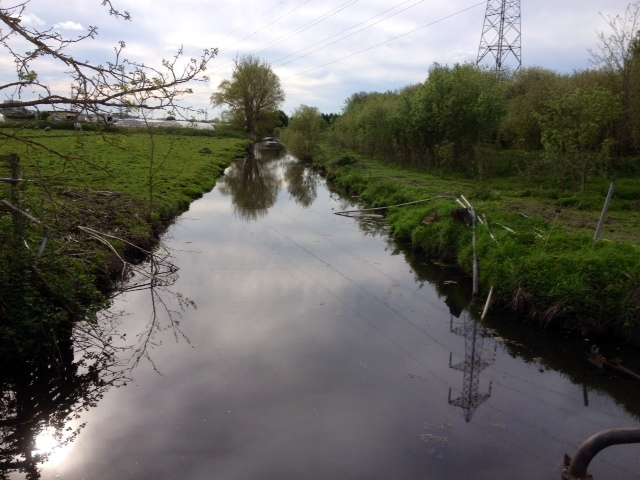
[222, 65]
[253, 20]
[308, 25]
[386, 41]
[344, 31]
[319, 19]
[267, 25]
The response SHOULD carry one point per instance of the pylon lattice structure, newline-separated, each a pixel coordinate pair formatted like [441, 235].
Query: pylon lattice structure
[471, 367]
[501, 36]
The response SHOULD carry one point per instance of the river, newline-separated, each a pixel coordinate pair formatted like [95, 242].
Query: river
[293, 343]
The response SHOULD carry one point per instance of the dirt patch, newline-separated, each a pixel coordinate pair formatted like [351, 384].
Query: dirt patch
[117, 219]
[617, 225]
[406, 181]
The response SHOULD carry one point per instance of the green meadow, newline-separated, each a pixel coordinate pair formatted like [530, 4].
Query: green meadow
[163, 172]
[100, 200]
[536, 246]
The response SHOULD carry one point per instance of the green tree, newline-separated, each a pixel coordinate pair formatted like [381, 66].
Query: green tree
[618, 56]
[367, 124]
[577, 132]
[283, 119]
[455, 112]
[526, 93]
[304, 132]
[253, 91]
[330, 117]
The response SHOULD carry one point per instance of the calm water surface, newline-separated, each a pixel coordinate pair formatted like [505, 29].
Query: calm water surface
[297, 344]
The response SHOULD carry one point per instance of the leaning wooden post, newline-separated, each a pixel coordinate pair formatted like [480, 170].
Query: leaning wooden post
[605, 209]
[14, 162]
[487, 304]
[17, 218]
[474, 239]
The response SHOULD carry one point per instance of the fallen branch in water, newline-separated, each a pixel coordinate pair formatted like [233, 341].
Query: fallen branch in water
[600, 362]
[160, 271]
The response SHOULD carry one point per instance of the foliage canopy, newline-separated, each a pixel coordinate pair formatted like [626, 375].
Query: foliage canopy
[253, 92]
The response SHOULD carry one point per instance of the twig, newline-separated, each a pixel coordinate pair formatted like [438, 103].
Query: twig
[347, 212]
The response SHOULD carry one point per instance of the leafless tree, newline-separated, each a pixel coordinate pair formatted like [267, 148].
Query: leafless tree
[618, 56]
[117, 83]
[614, 50]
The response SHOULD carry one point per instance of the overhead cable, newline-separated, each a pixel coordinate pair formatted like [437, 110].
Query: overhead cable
[386, 41]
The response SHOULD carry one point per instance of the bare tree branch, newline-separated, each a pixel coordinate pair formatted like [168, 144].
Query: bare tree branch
[119, 83]
[614, 50]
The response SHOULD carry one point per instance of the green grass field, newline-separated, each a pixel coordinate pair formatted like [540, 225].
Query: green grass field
[102, 199]
[129, 185]
[542, 262]
[165, 172]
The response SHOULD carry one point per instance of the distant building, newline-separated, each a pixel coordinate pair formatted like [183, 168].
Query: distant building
[67, 116]
[100, 118]
[18, 113]
[137, 122]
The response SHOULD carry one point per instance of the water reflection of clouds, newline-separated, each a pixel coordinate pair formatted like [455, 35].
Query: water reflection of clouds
[297, 368]
[305, 393]
[313, 352]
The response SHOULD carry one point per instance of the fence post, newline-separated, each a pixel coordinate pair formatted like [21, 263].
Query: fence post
[16, 216]
[605, 209]
[476, 264]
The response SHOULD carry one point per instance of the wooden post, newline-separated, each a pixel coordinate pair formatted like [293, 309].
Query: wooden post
[17, 218]
[18, 215]
[14, 162]
[476, 265]
[487, 304]
[605, 209]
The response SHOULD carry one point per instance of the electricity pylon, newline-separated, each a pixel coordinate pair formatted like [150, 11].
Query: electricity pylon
[471, 367]
[501, 36]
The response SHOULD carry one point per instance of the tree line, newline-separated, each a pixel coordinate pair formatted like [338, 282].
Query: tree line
[574, 125]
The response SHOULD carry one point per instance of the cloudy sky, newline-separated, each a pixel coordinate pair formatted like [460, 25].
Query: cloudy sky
[322, 50]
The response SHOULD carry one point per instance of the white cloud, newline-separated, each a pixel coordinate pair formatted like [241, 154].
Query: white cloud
[403, 38]
[68, 25]
[32, 20]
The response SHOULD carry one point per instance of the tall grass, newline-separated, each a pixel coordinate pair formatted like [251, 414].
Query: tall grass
[542, 260]
[125, 188]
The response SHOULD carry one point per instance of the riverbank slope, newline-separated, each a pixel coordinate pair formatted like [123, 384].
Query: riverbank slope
[91, 205]
[536, 248]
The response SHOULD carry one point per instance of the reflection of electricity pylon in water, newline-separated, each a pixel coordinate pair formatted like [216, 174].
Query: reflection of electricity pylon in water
[472, 366]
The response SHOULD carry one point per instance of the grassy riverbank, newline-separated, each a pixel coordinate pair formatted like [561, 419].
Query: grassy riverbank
[102, 199]
[542, 260]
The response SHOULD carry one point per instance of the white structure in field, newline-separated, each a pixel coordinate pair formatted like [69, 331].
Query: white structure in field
[138, 122]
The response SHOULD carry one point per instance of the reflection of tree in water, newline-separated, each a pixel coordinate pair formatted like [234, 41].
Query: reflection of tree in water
[302, 183]
[43, 395]
[253, 183]
[371, 224]
[45, 392]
